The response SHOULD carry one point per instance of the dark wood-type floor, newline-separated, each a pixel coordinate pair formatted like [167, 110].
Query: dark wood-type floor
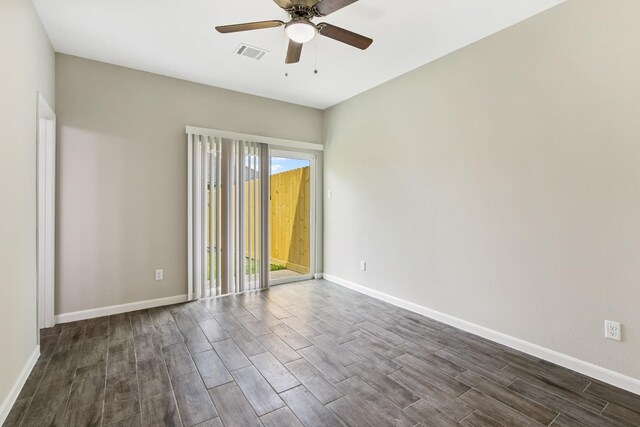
[310, 354]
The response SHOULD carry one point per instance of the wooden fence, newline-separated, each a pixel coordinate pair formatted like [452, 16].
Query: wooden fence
[289, 219]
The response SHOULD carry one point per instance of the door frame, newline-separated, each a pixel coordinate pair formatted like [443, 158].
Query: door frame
[46, 211]
[312, 158]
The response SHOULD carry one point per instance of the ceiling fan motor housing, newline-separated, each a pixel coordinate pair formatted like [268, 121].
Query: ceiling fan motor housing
[300, 11]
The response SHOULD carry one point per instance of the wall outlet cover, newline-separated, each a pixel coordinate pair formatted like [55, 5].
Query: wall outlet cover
[612, 330]
[159, 274]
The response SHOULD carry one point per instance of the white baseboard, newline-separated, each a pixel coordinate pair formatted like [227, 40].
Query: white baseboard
[8, 402]
[586, 368]
[317, 276]
[120, 308]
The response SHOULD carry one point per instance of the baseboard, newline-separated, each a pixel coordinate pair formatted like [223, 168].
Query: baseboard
[569, 362]
[120, 308]
[317, 276]
[8, 402]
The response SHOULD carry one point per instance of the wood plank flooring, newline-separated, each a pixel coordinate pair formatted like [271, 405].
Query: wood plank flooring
[304, 354]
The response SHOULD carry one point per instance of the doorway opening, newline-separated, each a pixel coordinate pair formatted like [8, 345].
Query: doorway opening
[291, 216]
[46, 202]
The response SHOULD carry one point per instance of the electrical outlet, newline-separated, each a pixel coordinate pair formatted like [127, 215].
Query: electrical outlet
[612, 330]
[159, 274]
[329, 194]
[363, 265]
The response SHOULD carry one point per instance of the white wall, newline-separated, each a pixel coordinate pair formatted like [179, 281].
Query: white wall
[122, 165]
[26, 67]
[500, 184]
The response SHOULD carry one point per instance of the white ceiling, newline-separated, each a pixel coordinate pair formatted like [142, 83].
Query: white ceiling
[177, 39]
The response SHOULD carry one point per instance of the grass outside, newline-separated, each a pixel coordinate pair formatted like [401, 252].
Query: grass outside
[250, 267]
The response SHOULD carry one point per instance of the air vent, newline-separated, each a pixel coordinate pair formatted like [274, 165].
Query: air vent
[250, 51]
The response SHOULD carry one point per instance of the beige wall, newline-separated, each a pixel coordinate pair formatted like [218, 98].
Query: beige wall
[26, 67]
[122, 165]
[501, 184]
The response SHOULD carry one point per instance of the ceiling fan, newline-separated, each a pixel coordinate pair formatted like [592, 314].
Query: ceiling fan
[301, 30]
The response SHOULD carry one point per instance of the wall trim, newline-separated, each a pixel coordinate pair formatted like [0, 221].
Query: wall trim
[11, 398]
[586, 368]
[318, 276]
[120, 308]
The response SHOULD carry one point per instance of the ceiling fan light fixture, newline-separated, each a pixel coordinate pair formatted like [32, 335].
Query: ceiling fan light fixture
[300, 31]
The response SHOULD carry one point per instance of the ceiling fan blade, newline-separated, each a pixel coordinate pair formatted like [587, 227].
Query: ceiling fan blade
[325, 7]
[293, 53]
[248, 26]
[285, 4]
[344, 36]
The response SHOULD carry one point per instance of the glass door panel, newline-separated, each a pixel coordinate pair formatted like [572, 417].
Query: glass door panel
[290, 219]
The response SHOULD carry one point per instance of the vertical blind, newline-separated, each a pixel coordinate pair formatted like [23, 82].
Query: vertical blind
[228, 190]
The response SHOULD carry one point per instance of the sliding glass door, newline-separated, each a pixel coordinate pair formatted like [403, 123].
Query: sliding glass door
[251, 212]
[291, 216]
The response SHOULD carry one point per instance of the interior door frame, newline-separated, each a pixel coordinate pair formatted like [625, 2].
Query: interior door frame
[46, 211]
[312, 158]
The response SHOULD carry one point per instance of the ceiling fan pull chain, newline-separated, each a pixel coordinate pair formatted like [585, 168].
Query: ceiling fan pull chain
[315, 69]
[286, 65]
